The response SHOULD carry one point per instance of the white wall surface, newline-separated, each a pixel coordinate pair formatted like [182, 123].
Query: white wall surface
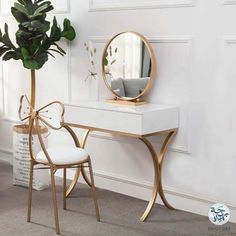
[195, 47]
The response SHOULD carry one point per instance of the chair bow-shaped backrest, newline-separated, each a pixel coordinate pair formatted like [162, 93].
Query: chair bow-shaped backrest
[50, 116]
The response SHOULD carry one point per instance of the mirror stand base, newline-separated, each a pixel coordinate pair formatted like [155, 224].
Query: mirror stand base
[126, 103]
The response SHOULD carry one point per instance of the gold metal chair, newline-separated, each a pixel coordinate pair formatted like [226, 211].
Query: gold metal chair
[54, 158]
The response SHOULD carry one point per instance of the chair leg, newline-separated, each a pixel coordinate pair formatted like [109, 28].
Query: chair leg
[64, 188]
[30, 191]
[94, 190]
[54, 201]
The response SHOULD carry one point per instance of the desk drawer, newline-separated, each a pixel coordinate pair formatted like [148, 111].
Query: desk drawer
[104, 119]
[138, 122]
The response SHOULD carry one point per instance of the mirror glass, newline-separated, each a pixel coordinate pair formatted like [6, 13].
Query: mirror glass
[128, 65]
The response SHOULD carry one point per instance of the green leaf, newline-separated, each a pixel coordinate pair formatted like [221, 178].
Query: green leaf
[10, 55]
[40, 9]
[55, 31]
[59, 48]
[34, 62]
[3, 50]
[47, 4]
[38, 1]
[44, 3]
[40, 18]
[34, 47]
[38, 37]
[6, 40]
[22, 38]
[36, 25]
[46, 43]
[68, 31]
[57, 51]
[0, 35]
[25, 54]
[50, 8]
[23, 34]
[50, 54]
[21, 2]
[25, 2]
[31, 7]
[20, 17]
[18, 53]
[30, 64]
[21, 8]
[41, 58]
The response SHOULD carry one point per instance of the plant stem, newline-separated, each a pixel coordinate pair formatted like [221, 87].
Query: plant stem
[33, 82]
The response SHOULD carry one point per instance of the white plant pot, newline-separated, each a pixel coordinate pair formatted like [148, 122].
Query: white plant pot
[21, 158]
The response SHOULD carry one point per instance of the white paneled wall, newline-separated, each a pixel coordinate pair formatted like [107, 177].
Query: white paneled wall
[195, 47]
[106, 5]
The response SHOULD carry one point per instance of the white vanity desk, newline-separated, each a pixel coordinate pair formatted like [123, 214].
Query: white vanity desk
[138, 122]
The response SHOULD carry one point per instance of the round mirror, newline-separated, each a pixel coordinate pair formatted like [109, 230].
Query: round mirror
[128, 65]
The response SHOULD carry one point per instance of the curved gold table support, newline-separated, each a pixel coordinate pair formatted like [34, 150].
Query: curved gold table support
[157, 164]
[156, 179]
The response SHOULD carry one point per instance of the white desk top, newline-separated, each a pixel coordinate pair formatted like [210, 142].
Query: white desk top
[141, 120]
[142, 109]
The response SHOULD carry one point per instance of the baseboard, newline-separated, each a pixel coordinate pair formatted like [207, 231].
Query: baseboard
[181, 200]
[6, 155]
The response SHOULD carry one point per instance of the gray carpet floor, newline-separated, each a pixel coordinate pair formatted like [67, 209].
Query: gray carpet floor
[119, 214]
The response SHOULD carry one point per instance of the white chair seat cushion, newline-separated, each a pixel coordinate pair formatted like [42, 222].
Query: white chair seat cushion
[63, 155]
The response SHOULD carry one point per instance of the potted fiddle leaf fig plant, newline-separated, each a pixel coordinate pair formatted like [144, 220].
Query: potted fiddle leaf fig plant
[36, 37]
[36, 40]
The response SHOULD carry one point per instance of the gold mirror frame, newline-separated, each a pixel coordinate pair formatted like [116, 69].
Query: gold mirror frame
[152, 74]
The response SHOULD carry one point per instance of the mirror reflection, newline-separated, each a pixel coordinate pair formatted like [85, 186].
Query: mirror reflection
[127, 65]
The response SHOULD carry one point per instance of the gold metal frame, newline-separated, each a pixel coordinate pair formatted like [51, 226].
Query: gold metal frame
[35, 128]
[157, 159]
[153, 71]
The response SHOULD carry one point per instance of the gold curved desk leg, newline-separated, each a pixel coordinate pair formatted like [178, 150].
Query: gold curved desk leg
[163, 198]
[156, 179]
[161, 158]
[157, 163]
[77, 173]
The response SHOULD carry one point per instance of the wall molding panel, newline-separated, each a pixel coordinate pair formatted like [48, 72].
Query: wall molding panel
[151, 39]
[172, 148]
[230, 39]
[229, 2]
[115, 5]
[69, 99]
